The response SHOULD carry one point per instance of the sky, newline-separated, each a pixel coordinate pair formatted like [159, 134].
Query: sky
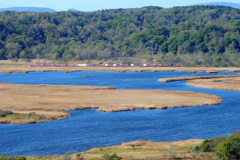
[94, 5]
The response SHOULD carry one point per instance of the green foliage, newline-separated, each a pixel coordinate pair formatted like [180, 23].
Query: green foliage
[210, 145]
[229, 148]
[117, 33]
[224, 147]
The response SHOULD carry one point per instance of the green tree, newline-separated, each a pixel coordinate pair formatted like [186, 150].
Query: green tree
[12, 50]
[164, 48]
[229, 148]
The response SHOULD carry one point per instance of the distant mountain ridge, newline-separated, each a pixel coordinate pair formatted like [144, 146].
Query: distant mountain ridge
[28, 9]
[234, 5]
[72, 9]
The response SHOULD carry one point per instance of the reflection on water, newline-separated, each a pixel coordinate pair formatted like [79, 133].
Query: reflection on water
[87, 129]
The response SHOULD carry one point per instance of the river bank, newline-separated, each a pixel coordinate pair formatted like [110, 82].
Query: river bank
[8, 67]
[136, 150]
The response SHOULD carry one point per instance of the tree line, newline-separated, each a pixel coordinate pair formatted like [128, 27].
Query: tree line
[196, 35]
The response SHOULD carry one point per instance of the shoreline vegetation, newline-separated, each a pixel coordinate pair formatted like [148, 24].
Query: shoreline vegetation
[132, 150]
[28, 118]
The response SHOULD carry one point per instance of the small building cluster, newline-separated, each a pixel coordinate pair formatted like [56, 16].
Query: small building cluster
[104, 65]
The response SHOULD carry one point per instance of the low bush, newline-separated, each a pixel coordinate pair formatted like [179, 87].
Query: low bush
[229, 148]
[210, 145]
[224, 147]
[5, 113]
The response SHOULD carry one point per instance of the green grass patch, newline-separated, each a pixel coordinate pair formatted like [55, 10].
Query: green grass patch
[2, 157]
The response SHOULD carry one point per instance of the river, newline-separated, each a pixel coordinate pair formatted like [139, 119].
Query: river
[87, 129]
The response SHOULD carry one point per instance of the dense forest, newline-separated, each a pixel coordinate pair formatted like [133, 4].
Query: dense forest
[192, 36]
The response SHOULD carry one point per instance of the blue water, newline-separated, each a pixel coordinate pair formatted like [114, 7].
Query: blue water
[87, 129]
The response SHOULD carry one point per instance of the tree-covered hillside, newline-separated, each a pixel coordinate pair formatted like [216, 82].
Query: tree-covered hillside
[196, 35]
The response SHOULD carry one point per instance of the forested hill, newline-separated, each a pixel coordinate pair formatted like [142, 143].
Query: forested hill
[202, 35]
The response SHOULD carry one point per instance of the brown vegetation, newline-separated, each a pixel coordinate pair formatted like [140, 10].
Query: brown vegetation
[49, 99]
[221, 82]
[225, 83]
[182, 78]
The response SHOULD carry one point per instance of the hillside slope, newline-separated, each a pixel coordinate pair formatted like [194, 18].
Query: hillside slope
[196, 35]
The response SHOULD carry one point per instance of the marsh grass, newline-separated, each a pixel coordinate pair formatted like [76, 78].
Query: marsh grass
[32, 117]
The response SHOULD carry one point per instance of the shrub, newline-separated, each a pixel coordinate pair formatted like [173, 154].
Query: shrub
[229, 148]
[5, 113]
[210, 145]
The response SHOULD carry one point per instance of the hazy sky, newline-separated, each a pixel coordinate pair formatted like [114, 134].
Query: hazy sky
[93, 5]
